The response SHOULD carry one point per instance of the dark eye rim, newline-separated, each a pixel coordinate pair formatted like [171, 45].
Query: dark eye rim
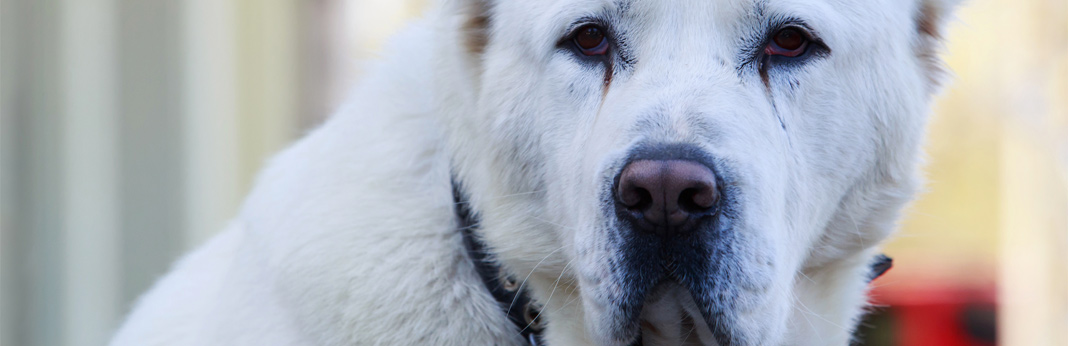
[600, 49]
[764, 63]
[567, 40]
[772, 48]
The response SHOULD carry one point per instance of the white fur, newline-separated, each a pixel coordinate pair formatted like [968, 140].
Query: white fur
[349, 235]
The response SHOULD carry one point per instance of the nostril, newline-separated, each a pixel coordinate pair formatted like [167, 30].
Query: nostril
[635, 197]
[697, 199]
[639, 185]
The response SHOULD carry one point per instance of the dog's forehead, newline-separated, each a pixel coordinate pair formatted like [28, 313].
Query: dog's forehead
[545, 21]
[706, 9]
[647, 13]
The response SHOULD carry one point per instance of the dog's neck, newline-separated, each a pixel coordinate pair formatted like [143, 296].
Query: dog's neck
[509, 294]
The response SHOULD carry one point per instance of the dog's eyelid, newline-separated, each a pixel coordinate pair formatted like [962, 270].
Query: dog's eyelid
[802, 26]
[761, 61]
[573, 28]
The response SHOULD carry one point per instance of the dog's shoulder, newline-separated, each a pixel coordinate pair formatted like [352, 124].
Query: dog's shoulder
[348, 236]
[211, 297]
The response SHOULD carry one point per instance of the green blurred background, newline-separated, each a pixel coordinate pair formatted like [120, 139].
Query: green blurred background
[131, 129]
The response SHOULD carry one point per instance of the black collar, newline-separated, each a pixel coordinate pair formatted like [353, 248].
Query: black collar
[879, 266]
[511, 295]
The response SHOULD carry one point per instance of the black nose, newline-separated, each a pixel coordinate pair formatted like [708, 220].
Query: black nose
[663, 196]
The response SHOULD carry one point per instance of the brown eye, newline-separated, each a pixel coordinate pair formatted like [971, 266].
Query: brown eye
[590, 40]
[787, 42]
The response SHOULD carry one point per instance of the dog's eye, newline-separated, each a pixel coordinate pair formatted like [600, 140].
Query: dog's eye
[789, 42]
[590, 40]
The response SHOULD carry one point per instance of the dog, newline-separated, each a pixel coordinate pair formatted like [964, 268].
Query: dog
[582, 172]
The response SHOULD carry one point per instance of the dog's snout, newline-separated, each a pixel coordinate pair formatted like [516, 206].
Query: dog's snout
[664, 195]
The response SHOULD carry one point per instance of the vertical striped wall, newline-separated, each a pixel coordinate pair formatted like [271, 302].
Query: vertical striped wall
[131, 130]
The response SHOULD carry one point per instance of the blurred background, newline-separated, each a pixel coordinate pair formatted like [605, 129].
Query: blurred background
[131, 130]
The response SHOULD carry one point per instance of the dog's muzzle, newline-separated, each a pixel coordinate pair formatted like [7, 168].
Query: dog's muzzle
[672, 222]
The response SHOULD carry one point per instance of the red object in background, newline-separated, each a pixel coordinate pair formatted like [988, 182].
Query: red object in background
[938, 315]
[935, 324]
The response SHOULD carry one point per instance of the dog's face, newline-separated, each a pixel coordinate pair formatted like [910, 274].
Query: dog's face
[693, 171]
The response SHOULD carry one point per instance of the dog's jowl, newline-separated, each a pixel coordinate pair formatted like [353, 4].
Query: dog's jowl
[607, 172]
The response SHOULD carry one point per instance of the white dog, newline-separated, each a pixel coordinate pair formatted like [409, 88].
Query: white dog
[609, 172]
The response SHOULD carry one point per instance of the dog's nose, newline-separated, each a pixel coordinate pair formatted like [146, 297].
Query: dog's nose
[666, 194]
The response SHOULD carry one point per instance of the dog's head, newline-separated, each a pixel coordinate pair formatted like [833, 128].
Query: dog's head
[650, 168]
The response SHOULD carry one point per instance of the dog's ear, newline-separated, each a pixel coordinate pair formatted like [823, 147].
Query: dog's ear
[932, 17]
[475, 24]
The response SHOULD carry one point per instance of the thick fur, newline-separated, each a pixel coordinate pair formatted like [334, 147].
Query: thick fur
[349, 236]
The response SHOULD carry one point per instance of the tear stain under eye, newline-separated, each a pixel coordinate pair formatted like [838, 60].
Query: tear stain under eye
[767, 91]
[604, 91]
[605, 87]
[778, 116]
[607, 80]
[775, 109]
[764, 74]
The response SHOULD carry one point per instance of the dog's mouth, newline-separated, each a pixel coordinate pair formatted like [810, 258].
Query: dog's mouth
[670, 316]
[676, 304]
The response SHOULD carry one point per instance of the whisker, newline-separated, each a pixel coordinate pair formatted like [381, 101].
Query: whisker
[495, 198]
[795, 302]
[524, 283]
[550, 298]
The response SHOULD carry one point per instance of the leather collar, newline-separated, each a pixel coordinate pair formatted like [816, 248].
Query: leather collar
[510, 294]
